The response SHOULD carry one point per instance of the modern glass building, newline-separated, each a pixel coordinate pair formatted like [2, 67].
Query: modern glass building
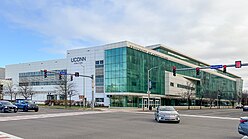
[130, 75]
[127, 81]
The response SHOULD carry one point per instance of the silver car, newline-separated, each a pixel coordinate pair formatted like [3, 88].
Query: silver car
[166, 113]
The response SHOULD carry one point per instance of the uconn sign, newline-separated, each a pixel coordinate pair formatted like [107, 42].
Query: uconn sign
[78, 60]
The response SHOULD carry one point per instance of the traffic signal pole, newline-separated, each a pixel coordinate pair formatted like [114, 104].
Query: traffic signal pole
[236, 65]
[77, 75]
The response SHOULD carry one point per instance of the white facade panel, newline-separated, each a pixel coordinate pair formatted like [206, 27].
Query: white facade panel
[12, 72]
[83, 61]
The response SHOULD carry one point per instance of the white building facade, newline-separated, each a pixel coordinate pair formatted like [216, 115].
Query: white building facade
[120, 76]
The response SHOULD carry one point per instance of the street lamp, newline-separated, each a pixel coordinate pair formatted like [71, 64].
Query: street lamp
[84, 89]
[148, 84]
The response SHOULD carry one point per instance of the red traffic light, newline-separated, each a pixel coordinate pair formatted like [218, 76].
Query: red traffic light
[197, 71]
[174, 68]
[60, 76]
[224, 68]
[238, 64]
[45, 73]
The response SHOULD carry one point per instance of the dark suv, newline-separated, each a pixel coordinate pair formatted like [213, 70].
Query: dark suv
[26, 105]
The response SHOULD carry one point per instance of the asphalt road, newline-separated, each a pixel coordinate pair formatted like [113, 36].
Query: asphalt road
[123, 125]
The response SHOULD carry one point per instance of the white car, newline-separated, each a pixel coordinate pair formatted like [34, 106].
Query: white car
[166, 113]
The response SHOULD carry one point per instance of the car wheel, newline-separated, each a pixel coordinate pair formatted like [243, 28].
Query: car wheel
[36, 110]
[15, 110]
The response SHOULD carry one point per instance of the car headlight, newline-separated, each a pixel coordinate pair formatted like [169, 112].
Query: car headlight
[6, 107]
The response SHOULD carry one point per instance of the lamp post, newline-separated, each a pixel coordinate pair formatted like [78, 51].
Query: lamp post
[84, 89]
[148, 84]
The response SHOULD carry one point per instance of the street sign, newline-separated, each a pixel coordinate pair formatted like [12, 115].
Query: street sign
[62, 73]
[150, 84]
[216, 66]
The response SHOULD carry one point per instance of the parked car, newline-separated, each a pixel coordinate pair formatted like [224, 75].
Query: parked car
[239, 106]
[6, 106]
[26, 105]
[166, 113]
[245, 108]
[243, 126]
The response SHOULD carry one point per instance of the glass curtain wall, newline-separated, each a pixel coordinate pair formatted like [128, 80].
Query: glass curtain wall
[126, 70]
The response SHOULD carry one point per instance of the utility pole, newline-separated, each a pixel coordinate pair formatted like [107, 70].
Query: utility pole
[93, 98]
[148, 85]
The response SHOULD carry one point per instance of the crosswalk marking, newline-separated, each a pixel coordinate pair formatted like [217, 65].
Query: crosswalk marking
[8, 136]
[212, 117]
[199, 116]
[39, 116]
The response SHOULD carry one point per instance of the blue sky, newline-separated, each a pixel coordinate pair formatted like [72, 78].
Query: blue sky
[20, 45]
[214, 32]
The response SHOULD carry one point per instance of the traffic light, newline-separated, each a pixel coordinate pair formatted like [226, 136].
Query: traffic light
[45, 73]
[238, 64]
[60, 76]
[76, 74]
[174, 68]
[71, 77]
[224, 68]
[197, 71]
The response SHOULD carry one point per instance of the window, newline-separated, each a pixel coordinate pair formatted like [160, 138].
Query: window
[99, 99]
[171, 84]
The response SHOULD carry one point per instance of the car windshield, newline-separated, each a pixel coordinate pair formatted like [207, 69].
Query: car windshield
[166, 109]
[6, 103]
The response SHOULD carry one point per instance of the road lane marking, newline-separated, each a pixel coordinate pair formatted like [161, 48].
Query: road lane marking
[40, 116]
[198, 116]
[211, 117]
[4, 135]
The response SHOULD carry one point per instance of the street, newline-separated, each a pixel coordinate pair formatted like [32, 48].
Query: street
[118, 124]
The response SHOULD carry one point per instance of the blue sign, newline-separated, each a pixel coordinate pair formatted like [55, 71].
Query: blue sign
[62, 73]
[216, 66]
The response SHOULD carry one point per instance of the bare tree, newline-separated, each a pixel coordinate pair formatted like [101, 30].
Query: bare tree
[244, 97]
[212, 95]
[190, 91]
[9, 89]
[25, 89]
[66, 88]
[72, 93]
[239, 97]
[1, 91]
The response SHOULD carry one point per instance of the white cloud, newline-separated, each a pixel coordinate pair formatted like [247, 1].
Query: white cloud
[213, 31]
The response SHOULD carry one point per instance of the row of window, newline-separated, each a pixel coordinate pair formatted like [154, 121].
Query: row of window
[40, 83]
[37, 78]
[100, 62]
[182, 86]
[41, 73]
